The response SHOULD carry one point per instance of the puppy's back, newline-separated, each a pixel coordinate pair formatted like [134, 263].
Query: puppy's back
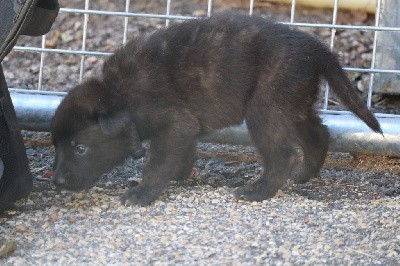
[210, 66]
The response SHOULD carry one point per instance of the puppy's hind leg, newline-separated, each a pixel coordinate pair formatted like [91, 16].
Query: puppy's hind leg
[187, 164]
[270, 132]
[313, 137]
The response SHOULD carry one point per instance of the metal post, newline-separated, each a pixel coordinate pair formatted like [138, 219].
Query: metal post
[388, 48]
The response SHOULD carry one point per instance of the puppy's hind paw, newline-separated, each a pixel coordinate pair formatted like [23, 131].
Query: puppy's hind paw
[244, 194]
[252, 192]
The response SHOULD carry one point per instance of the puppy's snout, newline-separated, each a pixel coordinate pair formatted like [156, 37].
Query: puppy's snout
[60, 177]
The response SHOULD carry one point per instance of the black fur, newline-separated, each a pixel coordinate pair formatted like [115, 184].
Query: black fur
[191, 79]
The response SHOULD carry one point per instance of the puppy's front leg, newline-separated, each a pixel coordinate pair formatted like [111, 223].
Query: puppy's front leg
[168, 159]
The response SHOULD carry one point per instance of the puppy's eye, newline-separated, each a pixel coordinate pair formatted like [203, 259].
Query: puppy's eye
[80, 149]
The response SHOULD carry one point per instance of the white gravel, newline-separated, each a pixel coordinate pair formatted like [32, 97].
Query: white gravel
[201, 225]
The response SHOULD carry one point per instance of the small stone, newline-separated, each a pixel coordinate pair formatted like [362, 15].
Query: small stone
[53, 217]
[91, 59]
[21, 229]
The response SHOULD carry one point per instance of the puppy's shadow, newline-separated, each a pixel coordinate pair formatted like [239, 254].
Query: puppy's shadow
[237, 168]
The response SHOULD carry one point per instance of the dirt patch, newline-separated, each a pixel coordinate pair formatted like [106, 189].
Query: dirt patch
[364, 162]
[361, 162]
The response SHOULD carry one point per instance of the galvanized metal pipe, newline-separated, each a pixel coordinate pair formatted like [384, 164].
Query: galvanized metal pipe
[347, 133]
[35, 111]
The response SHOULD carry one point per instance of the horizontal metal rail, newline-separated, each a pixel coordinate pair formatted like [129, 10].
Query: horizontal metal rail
[175, 17]
[371, 70]
[91, 53]
[341, 27]
[34, 93]
[347, 133]
[124, 14]
[58, 51]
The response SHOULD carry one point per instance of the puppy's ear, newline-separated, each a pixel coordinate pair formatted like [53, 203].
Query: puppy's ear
[112, 124]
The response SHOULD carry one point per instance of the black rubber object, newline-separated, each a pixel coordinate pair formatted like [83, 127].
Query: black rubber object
[16, 179]
[26, 17]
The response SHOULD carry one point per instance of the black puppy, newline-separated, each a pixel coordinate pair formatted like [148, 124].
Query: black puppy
[190, 79]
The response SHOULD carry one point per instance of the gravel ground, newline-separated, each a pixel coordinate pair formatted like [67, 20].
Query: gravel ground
[348, 215]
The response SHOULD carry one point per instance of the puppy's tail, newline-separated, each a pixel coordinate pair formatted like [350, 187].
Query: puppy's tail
[342, 87]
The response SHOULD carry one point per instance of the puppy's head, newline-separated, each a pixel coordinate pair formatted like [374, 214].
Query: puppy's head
[91, 135]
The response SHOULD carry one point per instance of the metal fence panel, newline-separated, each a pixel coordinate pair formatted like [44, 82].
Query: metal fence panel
[36, 106]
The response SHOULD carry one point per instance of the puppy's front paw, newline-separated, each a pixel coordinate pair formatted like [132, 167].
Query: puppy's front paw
[300, 178]
[139, 195]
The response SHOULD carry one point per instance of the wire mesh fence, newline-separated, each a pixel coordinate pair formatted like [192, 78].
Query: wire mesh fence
[126, 11]
[86, 32]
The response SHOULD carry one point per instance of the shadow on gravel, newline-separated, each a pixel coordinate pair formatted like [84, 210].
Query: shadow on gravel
[343, 177]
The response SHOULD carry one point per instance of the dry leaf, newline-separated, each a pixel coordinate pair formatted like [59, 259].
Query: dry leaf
[7, 248]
